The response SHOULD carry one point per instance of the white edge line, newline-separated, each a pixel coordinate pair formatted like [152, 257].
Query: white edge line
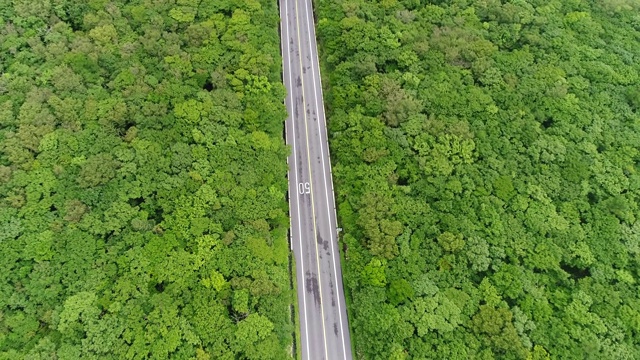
[335, 274]
[285, 19]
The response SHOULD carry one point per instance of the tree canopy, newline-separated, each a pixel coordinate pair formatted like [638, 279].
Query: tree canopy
[487, 175]
[142, 181]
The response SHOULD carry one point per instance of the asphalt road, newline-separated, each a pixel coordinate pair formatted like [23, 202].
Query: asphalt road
[324, 330]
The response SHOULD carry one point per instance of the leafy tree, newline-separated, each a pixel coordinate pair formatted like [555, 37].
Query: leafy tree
[400, 291]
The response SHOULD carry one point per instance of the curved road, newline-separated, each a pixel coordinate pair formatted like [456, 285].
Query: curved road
[324, 331]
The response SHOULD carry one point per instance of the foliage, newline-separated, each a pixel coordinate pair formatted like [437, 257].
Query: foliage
[141, 163]
[487, 175]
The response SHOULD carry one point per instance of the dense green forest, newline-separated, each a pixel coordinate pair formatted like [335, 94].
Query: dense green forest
[142, 181]
[487, 168]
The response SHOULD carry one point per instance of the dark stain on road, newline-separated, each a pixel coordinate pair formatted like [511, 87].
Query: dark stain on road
[313, 287]
[335, 328]
[319, 238]
[298, 82]
[333, 297]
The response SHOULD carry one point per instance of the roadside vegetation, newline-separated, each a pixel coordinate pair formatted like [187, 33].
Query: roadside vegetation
[487, 169]
[142, 181]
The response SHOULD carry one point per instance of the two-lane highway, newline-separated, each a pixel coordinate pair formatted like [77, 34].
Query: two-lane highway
[323, 317]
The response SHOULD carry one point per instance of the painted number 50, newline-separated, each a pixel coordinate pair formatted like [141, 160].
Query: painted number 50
[304, 188]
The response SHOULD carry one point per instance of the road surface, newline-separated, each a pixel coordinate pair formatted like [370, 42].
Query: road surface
[324, 331]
